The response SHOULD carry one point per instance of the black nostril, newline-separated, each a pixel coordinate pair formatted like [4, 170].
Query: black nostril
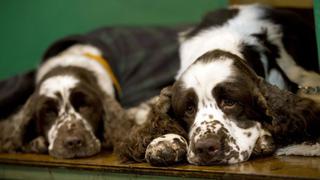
[199, 150]
[207, 145]
[73, 142]
[211, 149]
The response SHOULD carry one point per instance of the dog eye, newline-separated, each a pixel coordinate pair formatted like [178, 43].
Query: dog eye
[79, 101]
[80, 104]
[49, 113]
[190, 110]
[228, 103]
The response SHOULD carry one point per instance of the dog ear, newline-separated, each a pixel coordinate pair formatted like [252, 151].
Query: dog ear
[294, 118]
[161, 114]
[261, 108]
[115, 122]
[19, 128]
[163, 102]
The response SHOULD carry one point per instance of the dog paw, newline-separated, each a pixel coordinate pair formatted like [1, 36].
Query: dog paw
[166, 150]
[303, 149]
[37, 145]
[264, 146]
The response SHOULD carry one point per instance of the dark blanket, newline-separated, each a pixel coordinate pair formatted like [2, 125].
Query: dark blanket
[144, 61]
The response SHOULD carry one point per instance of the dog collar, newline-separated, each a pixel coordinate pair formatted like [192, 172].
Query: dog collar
[104, 63]
[310, 89]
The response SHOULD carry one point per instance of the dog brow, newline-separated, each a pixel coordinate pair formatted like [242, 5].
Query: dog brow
[197, 80]
[59, 95]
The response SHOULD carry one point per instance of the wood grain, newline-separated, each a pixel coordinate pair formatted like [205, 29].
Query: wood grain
[293, 167]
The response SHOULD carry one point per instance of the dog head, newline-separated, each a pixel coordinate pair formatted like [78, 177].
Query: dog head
[67, 110]
[219, 101]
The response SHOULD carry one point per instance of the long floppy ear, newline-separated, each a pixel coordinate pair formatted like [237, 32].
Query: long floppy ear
[116, 122]
[15, 91]
[163, 102]
[18, 128]
[295, 119]
[161, 115]
[262, 108]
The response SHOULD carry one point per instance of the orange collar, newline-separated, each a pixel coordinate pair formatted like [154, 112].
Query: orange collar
[107, 67]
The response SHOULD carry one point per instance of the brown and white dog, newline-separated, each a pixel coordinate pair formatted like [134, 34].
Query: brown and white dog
[220, 110]
[66, 115]
[74, 110]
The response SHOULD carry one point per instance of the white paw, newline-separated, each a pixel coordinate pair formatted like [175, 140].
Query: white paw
[303, 149]
[167, 149]
[37, 145]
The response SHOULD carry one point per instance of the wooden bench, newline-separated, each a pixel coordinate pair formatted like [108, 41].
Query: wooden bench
[34, 166]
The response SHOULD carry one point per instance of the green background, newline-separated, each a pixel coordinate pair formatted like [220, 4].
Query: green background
[28, 27]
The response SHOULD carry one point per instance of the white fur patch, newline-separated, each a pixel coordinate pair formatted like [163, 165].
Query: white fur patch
[168, 138]
[73, 56]
[228, 37]
[68, 118]
[60, 83]
[276, 78]
[197, 76]
[300, 149]
[139, 113]
[237, 30]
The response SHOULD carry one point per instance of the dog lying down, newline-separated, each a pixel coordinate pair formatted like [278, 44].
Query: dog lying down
[223, 108]
[234, 126]
[67, 112]
[219, 110]
[74, 110]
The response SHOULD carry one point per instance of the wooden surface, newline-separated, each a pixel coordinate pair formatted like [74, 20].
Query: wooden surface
[264, 168]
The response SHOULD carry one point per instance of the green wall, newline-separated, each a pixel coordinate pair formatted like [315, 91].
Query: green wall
[28, 27]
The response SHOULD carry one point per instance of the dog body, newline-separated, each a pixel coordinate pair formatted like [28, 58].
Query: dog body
[266, 38]
[217, 112]
[219, 99]
[222, 97]
[73, 110]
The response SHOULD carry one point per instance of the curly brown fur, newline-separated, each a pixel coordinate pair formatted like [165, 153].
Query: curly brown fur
[134, 144]
[294, 119]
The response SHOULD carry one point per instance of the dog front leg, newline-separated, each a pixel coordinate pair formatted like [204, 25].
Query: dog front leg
[160, 140]
[37, 145]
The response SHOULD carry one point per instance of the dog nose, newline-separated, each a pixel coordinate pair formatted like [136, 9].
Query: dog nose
[73, 142]
[207, 146]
